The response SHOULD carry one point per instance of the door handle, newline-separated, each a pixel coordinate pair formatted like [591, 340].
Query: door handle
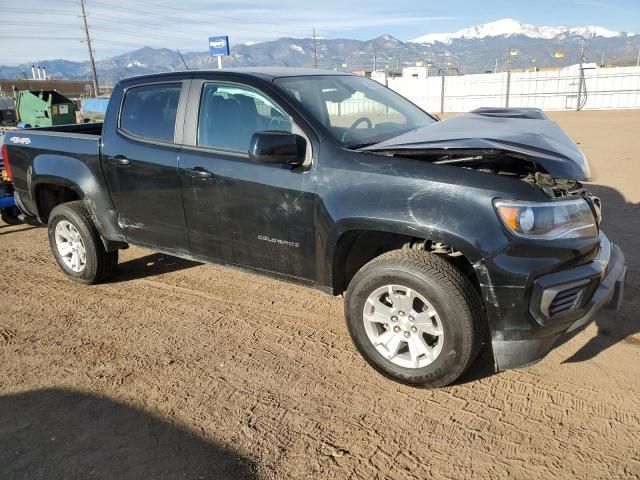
[120, 160]
[198, 172]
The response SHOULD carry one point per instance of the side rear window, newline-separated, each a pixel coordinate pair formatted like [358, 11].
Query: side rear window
[149, 111]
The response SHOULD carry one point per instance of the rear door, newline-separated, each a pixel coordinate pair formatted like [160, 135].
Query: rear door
[140, 157]
[238, 211]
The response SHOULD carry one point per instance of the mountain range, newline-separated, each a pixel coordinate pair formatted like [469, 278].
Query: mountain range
[472, 50]
[508, 27]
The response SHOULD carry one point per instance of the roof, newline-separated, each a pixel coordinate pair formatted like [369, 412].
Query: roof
[275, 72]
[262, 72]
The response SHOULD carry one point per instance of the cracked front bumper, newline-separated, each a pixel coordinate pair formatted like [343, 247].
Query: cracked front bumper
[603, 282]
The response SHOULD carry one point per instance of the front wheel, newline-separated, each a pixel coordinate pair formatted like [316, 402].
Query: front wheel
[76, 244]
[414, 317]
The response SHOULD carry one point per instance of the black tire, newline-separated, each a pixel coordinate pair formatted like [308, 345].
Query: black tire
[451, 294]
[100, 264]
[9, 215]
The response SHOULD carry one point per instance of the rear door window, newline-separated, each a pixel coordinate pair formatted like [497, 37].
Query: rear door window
[149, 111]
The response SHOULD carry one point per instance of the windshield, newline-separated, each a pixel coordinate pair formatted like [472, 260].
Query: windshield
[357, 111]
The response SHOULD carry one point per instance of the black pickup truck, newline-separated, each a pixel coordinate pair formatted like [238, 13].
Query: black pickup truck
[443, 236]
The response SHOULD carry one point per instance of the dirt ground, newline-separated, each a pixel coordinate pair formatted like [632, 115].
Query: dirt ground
[181, 370]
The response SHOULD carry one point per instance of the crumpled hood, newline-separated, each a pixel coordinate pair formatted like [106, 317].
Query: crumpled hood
[525, 131]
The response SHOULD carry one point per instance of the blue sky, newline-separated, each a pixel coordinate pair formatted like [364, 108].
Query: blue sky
[28, 34]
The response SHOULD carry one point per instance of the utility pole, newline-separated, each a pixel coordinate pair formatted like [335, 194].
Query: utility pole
[88, 40]
[443, 74]
[315, 50]
[375, 63]
[509, 52]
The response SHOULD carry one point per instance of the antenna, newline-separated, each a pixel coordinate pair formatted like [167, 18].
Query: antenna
[581, 79]
[182, 58]
[88, 40]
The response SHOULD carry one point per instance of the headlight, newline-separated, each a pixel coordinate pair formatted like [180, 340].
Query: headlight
[548, 220]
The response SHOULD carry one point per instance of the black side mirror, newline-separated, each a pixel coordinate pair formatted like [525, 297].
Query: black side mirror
[277, 148]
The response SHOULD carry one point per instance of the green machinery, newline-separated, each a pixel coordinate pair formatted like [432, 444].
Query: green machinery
[44, 108]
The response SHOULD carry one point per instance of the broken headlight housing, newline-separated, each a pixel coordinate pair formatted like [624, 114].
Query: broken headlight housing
[548, 220]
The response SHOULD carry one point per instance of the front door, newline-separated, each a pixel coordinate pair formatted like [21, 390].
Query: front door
[237, 211]
[140, 162]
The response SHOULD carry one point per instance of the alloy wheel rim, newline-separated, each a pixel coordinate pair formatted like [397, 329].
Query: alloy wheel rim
[403, 326]
[70, 246]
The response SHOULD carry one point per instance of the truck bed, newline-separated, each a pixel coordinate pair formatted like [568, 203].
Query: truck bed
[81, 128]
[41, 155]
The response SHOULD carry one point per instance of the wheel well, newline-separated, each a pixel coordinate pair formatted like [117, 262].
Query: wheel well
[356, 248]
[49, 196]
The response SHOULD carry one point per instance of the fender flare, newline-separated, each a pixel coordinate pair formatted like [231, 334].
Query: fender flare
[344, 226]
[72, 173]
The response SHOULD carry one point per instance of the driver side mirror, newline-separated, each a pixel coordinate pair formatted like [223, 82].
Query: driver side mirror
[274, 147]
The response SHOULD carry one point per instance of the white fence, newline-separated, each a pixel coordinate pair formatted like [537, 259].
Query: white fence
[358, 104]
[603, 88]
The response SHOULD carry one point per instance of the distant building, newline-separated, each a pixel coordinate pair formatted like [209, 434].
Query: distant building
[415, 72]
[68, 88]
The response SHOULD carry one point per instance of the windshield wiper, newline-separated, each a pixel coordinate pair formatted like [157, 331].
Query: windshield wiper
[384, 138]
[357, 146]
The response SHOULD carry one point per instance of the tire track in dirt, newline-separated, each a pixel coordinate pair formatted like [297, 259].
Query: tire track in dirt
[297, 385]
[268, 369]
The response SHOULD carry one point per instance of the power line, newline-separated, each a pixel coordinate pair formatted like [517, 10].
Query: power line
[53, 24]
[172, 17]
[112, 19]
[203, 24]
[108, 29]
[140, 34]
[119, 42]
[177, 19]
[35, 10]
[43, 37]
[88, 38]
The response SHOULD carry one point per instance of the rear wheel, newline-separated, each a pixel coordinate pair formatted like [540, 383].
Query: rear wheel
[76, 244]
[9, 215]
[414, 317]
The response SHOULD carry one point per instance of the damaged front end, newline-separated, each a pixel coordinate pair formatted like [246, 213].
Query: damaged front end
[520, 143]
[511, 142]
[556, 268]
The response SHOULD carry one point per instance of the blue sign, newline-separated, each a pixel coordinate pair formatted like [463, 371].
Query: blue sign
[219, 46]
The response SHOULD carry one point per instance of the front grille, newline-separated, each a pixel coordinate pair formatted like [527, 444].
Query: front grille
[563, 299]
[566, 300]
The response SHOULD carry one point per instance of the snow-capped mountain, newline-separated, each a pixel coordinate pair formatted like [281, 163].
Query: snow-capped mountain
[508, 27]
